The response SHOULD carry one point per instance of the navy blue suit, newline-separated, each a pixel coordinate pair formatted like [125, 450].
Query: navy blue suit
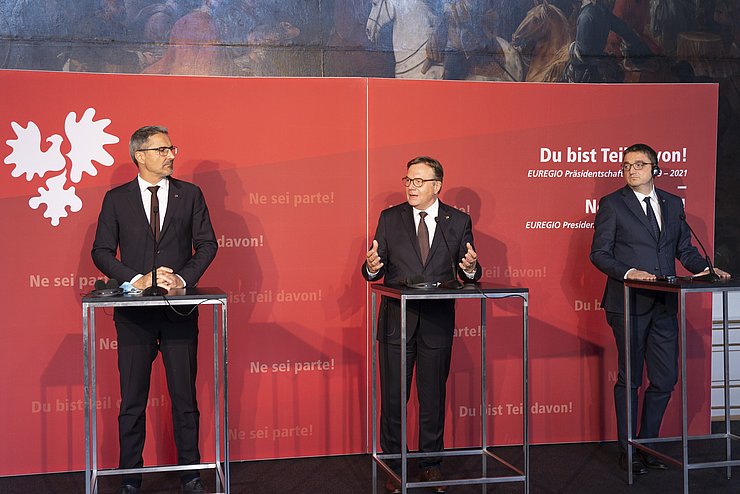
[623, 239]
[430, 324]
[187, 245]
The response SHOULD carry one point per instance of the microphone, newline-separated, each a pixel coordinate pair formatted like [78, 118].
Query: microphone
[454, 283]
[711, 276]
[155, 290]
[106, 289]
[419, 282]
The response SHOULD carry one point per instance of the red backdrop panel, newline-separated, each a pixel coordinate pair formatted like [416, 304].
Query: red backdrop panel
[528, 163]
[295, 172]
[282, 166]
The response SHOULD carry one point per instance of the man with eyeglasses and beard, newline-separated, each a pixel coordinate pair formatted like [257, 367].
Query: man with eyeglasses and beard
[409, 247]
[156, 209]
[639, 232]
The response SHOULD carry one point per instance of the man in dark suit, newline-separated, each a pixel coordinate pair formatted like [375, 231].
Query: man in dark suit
[409, 246]
[638, 235]
[155, 207]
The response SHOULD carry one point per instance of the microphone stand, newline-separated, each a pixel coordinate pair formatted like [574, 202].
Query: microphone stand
[155, 290]
[454, 283]
[711, 276]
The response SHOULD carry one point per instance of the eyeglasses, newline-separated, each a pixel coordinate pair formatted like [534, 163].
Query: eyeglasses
[418, 182]
[637, 165]
[163, 151]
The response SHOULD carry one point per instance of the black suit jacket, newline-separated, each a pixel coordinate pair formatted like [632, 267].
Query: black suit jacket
[623, 239]
[187, 243]
[398, 249]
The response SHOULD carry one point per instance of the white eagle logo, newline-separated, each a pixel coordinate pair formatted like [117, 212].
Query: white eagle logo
[87, 139]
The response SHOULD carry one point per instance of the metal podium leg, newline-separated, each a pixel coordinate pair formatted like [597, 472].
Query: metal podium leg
[684, 401]
[216, 401]
[483, 397]
[628, 379]
[404, 457]
[93, 400]
[726, 364]
[374, 390]
[525, 392]
[225, 350]
[86, 385]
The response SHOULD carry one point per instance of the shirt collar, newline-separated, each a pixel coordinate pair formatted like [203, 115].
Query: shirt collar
[641, 197]
[164, 184]
[432, 211]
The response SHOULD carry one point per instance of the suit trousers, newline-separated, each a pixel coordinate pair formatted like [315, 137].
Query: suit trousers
[654, 342]
[138, 346]
[432, 368]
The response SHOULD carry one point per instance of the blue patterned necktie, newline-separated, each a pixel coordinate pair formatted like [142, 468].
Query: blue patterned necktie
[651, 217]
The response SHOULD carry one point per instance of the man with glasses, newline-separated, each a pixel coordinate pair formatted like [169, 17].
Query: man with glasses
[639, 233]
[156, 212]
[421, 242]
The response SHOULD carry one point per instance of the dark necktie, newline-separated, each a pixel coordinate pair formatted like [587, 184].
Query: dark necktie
[651, 217]
[423, 234]
[154, 211]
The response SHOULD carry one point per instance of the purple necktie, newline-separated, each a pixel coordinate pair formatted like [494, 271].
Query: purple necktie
[423, 234]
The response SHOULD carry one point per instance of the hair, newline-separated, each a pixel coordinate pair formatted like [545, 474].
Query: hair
[140, 137]
[643, 148]
[435, 165]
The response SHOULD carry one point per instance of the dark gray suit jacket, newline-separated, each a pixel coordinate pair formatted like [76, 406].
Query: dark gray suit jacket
[187, 243]
[398, 249]
[623, 239]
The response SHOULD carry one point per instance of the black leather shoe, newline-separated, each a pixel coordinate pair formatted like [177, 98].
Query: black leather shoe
[652, 462]
[127, 489]
[195, 486]
[432, 474]
[637, 467]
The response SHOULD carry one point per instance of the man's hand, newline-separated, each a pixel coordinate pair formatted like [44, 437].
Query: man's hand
[166, 278]
[470, 260]
[636, 274]
[373, 263]
[722, 274]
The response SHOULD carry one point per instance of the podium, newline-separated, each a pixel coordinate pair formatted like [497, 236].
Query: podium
[483, 292]
[184, 296]
[682, 287]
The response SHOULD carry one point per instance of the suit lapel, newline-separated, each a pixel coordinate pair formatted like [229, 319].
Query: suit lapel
[136, 204]
[630, 199]
[663, 214]
[173, 205]
[438, 239]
